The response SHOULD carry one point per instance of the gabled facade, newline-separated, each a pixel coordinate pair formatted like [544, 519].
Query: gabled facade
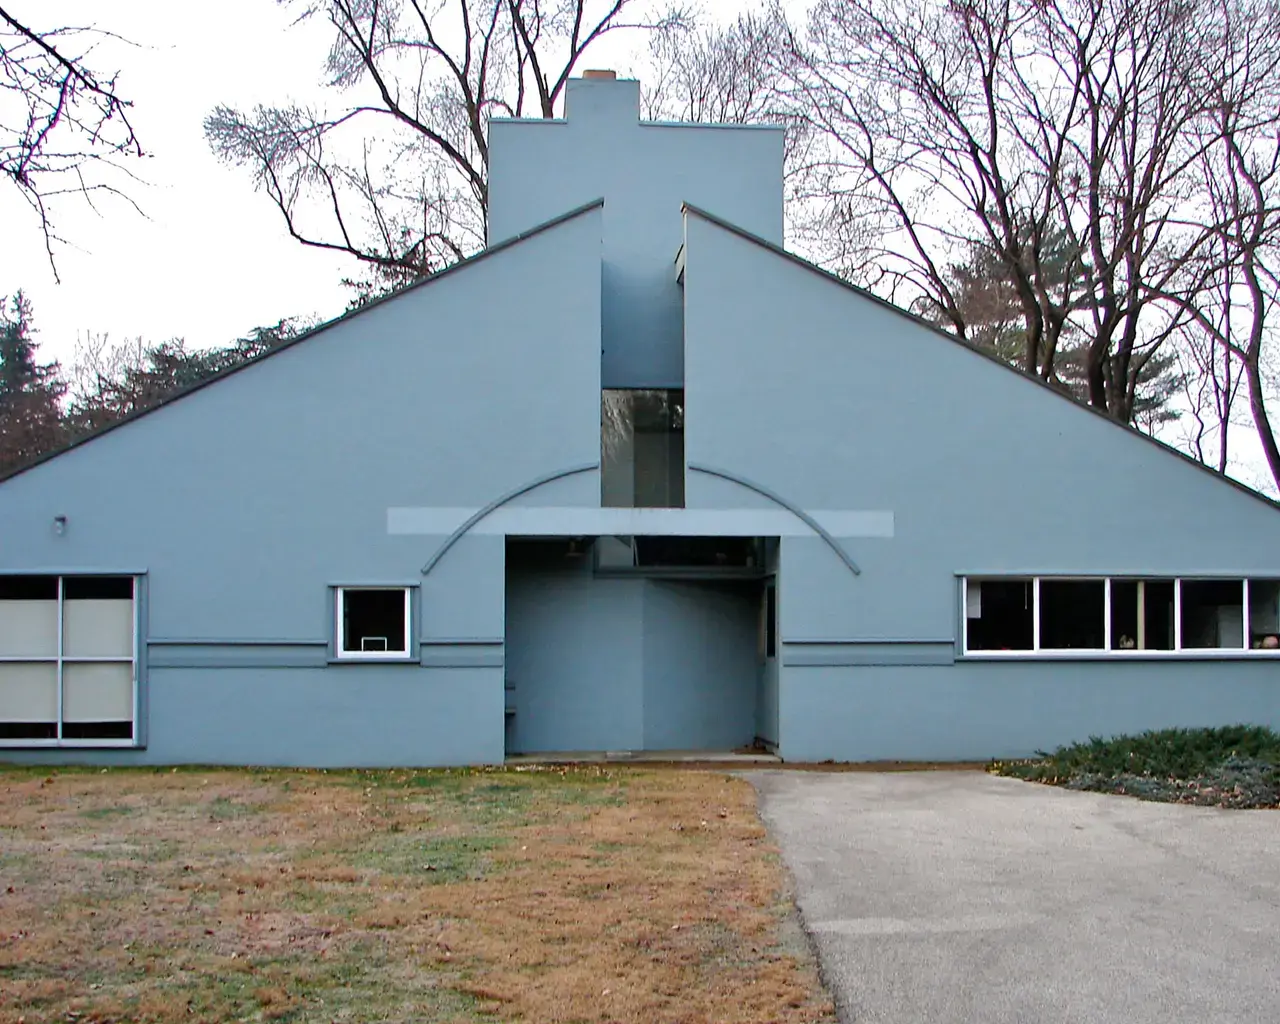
[634, 478]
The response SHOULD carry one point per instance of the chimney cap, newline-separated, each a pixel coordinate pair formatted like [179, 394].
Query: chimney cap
[604, 75]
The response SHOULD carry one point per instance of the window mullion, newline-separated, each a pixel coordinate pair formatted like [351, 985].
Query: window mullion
[1244, 608]
[1035, 613]
[59, 671]
[1106, 614]
[408, 623]
[339, 639]
[133, 585]
[1177, 614]
[1140, 640]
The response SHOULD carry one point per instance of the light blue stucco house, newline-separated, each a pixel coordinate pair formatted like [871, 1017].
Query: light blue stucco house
[633, 478]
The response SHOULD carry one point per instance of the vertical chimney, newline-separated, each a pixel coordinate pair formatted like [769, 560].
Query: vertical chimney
[609, 76]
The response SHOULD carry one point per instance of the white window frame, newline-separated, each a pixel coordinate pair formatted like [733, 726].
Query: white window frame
[60, 660]
[340, 653]
[1109, 651]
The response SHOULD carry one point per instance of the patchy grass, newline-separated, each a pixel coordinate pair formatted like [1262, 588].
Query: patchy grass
[592, 894]
[1235, 766]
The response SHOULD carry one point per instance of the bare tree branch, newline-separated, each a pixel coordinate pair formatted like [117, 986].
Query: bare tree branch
[1063, 138]
[69, 130]
[399, 180]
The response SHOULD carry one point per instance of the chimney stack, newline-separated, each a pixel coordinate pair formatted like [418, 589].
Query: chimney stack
[608, 76]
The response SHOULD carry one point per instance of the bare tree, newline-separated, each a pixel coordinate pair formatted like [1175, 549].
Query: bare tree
[1211, 384]
[1028, 128]
[727, 74]
[1232, 288]
[62, 124]
[1235, 310]
[397, 175]
[717, 74]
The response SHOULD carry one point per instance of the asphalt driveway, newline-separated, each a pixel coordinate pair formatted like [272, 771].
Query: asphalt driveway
[958, 896]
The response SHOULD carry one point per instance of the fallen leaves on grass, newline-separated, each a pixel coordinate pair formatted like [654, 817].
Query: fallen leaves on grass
[596, 894]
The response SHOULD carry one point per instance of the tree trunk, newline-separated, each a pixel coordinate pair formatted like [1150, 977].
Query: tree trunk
[1096, 376]
[1258, 406]
[1031, 351]
[1223, 402]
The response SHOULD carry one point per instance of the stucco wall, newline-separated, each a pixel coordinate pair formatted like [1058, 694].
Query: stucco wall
[574, 655]
[701, 668]
[838, 403]
[835, 402]
[644, 172]
[245, 501]
[979, 710]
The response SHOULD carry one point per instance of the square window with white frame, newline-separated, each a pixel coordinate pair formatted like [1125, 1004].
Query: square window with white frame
[372, 623]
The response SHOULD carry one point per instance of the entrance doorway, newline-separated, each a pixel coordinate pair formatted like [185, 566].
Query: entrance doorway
[608, 657]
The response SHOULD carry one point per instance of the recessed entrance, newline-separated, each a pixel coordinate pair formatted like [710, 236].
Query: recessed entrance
[606, 654]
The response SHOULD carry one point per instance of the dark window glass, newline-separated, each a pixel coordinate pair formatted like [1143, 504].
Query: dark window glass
[1264, 614]
[1124, 614]
[28, 730]
[373, 620]
[1000, 615]
[1072, 614]
[97, 588]
[1142, 615]
[1157, 615]
[28, 588]
[97, 730]
[1212, 614]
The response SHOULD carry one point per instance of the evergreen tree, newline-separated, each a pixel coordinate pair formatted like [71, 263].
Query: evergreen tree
[115, 382]
[30, 391]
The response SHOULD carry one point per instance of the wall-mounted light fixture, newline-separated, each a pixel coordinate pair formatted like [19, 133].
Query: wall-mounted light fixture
[59, 525]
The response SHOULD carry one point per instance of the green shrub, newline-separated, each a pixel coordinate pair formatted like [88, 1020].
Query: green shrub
[1233, 766]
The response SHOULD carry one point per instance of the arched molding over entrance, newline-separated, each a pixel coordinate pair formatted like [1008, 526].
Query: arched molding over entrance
[497, 503]
[782, 502]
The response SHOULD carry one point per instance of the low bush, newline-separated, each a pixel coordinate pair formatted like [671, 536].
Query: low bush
[1231, 766]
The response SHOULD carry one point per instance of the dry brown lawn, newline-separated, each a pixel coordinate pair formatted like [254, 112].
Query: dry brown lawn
[589, 894]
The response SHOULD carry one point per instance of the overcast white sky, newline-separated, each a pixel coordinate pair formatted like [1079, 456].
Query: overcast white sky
[211, 259]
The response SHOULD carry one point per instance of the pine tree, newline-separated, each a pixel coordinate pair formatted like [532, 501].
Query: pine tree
[125, 379]
[30, 392]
